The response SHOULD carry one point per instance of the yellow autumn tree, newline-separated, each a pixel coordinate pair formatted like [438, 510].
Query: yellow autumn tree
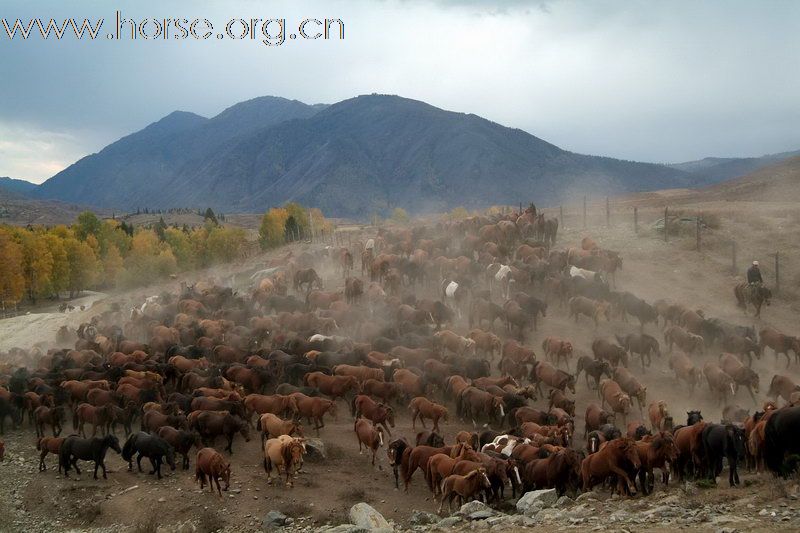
[12, 282]
[82, 266]
[112, 265]
[271, 232]
[37, 263]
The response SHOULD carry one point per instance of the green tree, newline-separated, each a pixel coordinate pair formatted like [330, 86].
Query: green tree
[210, 216]
[87, 224]
[82, 266]
[399, 215]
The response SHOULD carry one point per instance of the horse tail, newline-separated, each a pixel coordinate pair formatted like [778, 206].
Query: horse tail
[39, 444]
[75, 420]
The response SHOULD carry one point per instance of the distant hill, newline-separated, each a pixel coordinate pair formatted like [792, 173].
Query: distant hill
[15, 186]
[775, 183]
[712, 170]
[137, 169]
[359, 156]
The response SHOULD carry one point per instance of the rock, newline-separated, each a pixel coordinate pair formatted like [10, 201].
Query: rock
[564, 501]
[592, 495]
[727, 530]
[345, 528]
[364, 515]
[315, 449]
[547, 498]
[274, 519]
[422, 518]
[474, 507]
[450, 521]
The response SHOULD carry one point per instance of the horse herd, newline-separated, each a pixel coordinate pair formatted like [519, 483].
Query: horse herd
[420, 330]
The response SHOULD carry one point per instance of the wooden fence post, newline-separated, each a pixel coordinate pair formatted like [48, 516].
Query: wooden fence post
[698, 233]
[636, 220]
[608, 214]
[561, 215]
[777, 273]
[666, 224]
[584, 212]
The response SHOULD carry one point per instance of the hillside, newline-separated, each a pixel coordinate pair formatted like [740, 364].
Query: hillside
[15, 186]
[137, 169]
[359, 156]
[713, 170]
[775, 183]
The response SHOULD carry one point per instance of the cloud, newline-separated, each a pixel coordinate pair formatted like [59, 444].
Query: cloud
[636, 80]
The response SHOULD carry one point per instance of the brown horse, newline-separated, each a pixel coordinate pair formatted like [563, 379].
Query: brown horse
[277, 404]
[313, 408]
[685, 370]
[332, 386]
[611, 393]
[283, 452]
[656, 451]
[423, 408]
[596, 417]
[660, 419]
[377, 413]
[473, 402]
[96, 416]
[782, 386]
[559, 399]
[369, 436]
[211, 424]
[780, 343]
[418, 458]
[51, 416]
[211, 464]
[688, 441]
[719, 383]
[544, 372]
[556, 349]
[741, 374]
[616, 457]
[631, 386]
[272, 426]
[307, 277]
[441, 465]
[561, 470]
[465, 487]
[48, 445]
[384, 391]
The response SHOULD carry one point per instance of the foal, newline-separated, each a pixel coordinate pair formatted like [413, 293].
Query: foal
[465, 487]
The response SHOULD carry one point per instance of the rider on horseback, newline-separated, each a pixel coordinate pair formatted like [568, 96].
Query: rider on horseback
[754, 275]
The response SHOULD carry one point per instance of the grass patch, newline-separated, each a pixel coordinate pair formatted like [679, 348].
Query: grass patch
[148, 525]
[209, 522]
[296, 509]
[88, 513]
[705, 484]
[356, 494]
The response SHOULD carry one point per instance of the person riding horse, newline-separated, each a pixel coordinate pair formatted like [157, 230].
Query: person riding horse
[754, 275]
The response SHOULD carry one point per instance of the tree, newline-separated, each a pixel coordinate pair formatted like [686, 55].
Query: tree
[272, 230]
[87, 224]
[459, 213]
[112, 265]
[209, 215]
[12, 281]
[300, 217]
[82, 266]
[399, 215]
[37, 264]
[291, 229]
[59, 276]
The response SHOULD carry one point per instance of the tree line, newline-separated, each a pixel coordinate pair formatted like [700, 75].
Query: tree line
[39, 262]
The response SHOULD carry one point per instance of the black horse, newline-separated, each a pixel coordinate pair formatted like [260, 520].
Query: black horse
[723, 441]
[74, 448]
[780, 439]
[395, 453]
[154, 448]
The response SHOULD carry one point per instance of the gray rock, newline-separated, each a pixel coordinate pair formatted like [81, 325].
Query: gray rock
[364, 515]
[450, 521]
[422, 518]
[315, 449]
[564, 501]
[475, 506]
[547, 497]
[481, 515]
[592, 495]
[274, 519]
[345, 528]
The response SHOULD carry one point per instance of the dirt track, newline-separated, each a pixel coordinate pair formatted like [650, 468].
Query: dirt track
[324, 492]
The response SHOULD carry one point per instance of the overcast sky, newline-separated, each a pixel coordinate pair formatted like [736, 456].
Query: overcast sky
[650, 81]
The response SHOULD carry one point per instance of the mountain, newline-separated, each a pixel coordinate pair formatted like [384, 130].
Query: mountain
[711, 170]
[362, 155]
[137, 169]
[19, 187]
[776, 183]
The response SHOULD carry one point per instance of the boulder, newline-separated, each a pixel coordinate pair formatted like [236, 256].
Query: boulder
[364, 515]
[315, 449]
[273, 520]
[545, 497]
[450, 521]
[422, 518]
[476, 508]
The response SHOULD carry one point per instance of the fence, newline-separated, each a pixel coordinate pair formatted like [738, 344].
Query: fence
[675, 226]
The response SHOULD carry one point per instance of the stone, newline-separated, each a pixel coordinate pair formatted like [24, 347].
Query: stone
[345, 528]
[475, 506]
[364, 515]
[422, 518]
[547, 497]
[450, 521]
[274, 519]
[315, 449]
[564, 501]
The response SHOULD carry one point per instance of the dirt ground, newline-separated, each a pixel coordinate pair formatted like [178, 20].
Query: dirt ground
[324, 492]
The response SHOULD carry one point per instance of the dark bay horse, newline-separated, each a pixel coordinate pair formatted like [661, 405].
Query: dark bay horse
[74, 448]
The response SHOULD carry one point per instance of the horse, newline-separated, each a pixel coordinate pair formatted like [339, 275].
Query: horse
[463, 486]
[398, 452]
[726, 441]
[210, 464]
[377, 413]
[655, 451]
[94, 449]
[556, 349]
[272, 426]
[423, 408]
[544, 372]
[611, 393]
[780, 439]
[660, 419]
[592, 367]
[47, 445]
[754, 294]
[181, 441]
[52, 416]
[313, 408]
[307, 277]
[780, 343]
[283, 452]
[210, 424]
[616, 457]
[473, 402]
[151, 446]
[369, 436]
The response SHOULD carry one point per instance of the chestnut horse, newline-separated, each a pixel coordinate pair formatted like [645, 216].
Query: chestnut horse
[423, 408]
[464, 487]
[616, 457]
[283, 452]
[211, 464]
[369, 436]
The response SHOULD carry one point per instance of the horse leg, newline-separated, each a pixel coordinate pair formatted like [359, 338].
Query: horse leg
[139, 461]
